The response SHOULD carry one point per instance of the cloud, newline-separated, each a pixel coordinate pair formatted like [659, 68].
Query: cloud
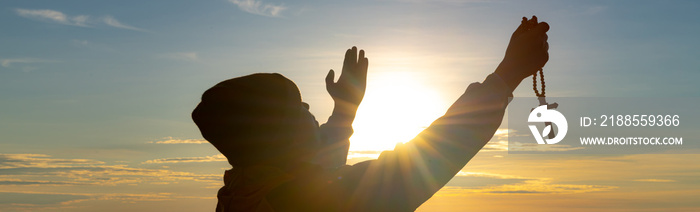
[53, 16]
[33, 182]
[500, 143]
[214, 158]
[527, 147]
[63, 201]
[39, 160]
[259, 8]
[29, 182]
[544, 186]
[31, 199]
[35, 169]
[526, 187]
[655, 180]
[489, 175]
[496, 145]
[183, 56]
[7, 62]
[38, 198]
[475, 182]
[111, 21]
[171, 140]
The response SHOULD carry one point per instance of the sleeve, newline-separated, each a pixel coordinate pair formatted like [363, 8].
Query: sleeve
[402, 179]
[335, 144]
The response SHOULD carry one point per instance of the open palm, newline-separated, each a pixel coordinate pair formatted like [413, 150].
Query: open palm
[351, 86]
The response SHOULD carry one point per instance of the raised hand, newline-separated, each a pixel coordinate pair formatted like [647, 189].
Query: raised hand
[347, 94]
[351, 86]
[527, 51]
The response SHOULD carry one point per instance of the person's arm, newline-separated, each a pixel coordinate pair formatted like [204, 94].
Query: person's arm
[347, 93]
[402, 179]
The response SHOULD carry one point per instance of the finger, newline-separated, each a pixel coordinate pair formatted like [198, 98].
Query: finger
[529, 24]
[523, 26]
[359, 60]
[362, 55]
[329, 78]
[362, 65]
[350, 59]
[354, 55]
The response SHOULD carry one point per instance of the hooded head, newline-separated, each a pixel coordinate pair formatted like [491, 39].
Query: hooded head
[257, 119]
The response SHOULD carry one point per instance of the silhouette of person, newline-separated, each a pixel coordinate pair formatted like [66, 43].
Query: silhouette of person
[284, 161]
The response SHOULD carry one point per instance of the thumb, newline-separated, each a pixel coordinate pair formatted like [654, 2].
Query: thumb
[329, 78]
[542, 27]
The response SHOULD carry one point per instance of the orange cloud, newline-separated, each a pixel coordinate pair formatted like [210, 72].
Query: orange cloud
[39, 160]
[655, 180]
[213, 158]
[480, 182]
[171, 140]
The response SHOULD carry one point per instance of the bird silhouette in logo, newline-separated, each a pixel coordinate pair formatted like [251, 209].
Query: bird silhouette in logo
[543, 114]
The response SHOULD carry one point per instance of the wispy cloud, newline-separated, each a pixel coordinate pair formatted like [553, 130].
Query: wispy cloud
[58, 17]
[655, 180]
[35, 169]
[171, 140]
[54, 17]
[259, 8]
[500, 143]
[25, 200]
[527, 147]
[489, 175]
[33, 182]
[7, 62]
[39, 160]
[111, 21]
[213, 158]
[474, 182]
[38, 198]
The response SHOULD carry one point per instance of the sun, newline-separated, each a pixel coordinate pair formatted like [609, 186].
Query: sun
[397, 106]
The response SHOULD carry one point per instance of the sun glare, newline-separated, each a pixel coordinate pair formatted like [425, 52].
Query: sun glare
[395, 109]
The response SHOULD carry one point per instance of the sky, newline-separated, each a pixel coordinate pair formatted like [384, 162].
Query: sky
[96, 96]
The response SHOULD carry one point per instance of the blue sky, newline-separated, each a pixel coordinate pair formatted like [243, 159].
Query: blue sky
[101, 83]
